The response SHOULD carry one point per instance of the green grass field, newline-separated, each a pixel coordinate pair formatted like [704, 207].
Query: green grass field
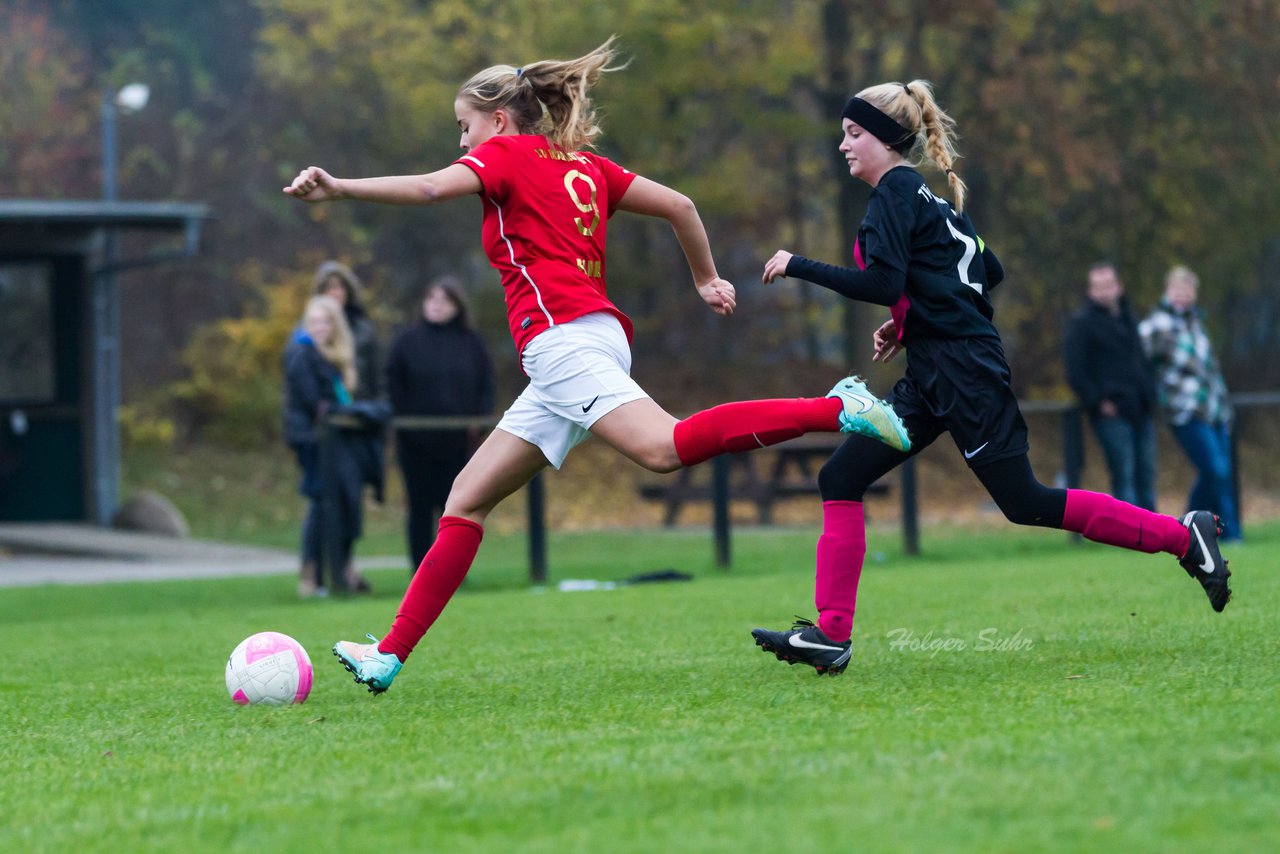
[1123, 713]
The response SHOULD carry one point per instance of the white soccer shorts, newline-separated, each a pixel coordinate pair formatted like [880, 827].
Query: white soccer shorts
[578, 372]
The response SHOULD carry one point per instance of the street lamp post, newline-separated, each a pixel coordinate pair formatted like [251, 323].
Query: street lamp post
[106, 318]
[129, 99]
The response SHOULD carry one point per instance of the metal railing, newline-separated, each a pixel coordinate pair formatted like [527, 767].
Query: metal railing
[1073, 462]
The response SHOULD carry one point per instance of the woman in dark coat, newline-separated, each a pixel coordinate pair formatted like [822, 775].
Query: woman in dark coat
[319, 374]
[438, 366]
[337, 280]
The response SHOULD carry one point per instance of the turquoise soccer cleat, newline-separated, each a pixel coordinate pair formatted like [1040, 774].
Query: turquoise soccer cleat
[868, 415]
[371, 668]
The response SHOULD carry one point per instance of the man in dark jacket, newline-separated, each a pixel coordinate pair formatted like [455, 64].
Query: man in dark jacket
[1109, 373]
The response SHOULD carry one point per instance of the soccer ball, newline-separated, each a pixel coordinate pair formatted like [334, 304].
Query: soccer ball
[269, 668]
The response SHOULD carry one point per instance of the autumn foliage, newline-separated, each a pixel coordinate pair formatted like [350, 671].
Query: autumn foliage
[1144, 131]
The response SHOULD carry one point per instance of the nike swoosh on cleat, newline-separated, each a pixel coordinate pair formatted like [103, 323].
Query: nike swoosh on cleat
[1207, 566]
[968, 455]
[800, 643]
[867, 402]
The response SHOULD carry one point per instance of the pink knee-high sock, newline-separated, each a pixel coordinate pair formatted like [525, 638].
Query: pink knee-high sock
[1104, 519]
[750, 424]
[841, 549]
[433, 585]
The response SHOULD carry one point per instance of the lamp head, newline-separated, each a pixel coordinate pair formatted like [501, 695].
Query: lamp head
[133, 97]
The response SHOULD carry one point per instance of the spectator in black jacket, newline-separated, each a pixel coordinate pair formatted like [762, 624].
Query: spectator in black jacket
[1108, 371]
[337, 280]
[319, 375]
[438, 366]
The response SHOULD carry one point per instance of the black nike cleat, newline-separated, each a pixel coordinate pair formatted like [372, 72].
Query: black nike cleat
[1203, 561]
[806, 644]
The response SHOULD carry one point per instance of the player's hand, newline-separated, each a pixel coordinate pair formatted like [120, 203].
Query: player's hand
[776, 267]
[313, 184]
[720, 295]
[886, 342]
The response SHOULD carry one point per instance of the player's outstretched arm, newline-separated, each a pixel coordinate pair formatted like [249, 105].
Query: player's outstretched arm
[313, 184]
[653, 199]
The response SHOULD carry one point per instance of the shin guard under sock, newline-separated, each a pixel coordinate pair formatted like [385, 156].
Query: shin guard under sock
[433, 585]
[750, 424]
[1108, 520]
[841, 550]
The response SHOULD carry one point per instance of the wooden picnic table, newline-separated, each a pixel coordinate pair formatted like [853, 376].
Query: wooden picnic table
[761, 476]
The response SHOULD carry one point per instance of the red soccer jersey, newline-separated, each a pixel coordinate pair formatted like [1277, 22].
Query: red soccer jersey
[545, 212]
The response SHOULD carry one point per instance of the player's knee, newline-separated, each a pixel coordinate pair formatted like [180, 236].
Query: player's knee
[659, 457]
[836, 484]
[464, 502]
[1032, 508]
[1018, 514]
[465, 510]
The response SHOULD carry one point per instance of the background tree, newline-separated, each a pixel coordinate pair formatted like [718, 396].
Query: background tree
[47, 108]
[1139, 130]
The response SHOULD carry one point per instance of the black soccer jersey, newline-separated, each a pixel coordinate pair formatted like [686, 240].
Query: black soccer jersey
[949, 271]
[921, 258]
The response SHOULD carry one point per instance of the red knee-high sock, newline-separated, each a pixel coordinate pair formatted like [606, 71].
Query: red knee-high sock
[1104, 519]
[434, 584]
[749, 424]
[841, 549]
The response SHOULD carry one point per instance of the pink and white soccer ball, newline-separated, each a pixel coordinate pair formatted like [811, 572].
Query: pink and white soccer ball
[269, 668]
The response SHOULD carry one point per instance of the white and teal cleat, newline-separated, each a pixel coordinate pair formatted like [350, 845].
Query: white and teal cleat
[868, 415]
[371, 668]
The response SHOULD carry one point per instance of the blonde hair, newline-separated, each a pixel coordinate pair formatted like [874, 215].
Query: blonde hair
[1181, 273]
[547, 97]
[340, 350]
[912, 106]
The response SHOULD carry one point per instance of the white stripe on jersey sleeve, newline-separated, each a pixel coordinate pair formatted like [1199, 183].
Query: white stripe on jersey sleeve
[502, 232]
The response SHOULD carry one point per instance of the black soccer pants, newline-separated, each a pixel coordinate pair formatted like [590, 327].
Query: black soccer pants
[861, 461]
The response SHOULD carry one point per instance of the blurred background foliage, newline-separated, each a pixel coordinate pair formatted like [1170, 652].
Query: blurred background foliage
[1145, 131]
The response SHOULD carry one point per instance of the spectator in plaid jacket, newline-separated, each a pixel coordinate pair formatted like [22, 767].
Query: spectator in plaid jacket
[1193, 394]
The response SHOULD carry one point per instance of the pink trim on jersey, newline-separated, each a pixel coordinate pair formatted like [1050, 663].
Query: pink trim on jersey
[511, 250]
[898, 311]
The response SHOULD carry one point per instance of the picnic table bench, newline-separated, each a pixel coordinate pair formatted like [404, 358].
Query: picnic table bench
[762, 477]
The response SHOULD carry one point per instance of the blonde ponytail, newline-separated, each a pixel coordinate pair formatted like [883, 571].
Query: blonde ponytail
[549, 96]
[912, 106]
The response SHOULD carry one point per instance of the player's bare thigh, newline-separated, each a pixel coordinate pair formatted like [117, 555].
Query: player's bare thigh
[644, 432]
[501, 465]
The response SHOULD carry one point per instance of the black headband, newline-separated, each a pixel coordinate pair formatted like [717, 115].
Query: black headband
[871, 119]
